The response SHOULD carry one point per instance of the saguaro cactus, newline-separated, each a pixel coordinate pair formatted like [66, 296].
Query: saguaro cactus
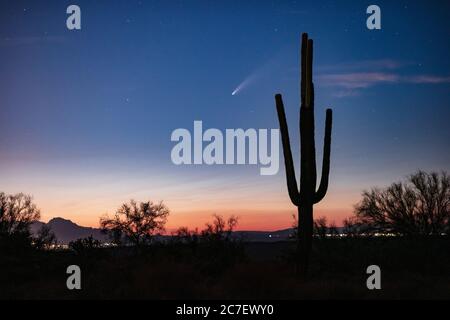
[306, 195]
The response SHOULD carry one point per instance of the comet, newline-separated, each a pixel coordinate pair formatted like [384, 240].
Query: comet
[247, 81]
[261, 73]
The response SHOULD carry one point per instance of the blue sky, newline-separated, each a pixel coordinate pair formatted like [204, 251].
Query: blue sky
[86, 116]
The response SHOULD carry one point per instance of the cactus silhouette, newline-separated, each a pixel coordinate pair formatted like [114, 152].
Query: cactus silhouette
[306, 195]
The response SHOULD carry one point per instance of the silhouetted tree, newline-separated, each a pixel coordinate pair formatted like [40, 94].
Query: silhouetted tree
[418, 206]
[137, 223]
[219, 247]
[332, 229]
[321, 227]
[45, 238]
[184, 235]
[84, 246]
[17, 212]
[353, 227]
[219, 229]
[213, 249]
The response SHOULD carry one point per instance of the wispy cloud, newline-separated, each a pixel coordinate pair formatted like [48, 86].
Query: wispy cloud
[369, 79]
[368, 65]
[376, 72]
[357, 80]
[427, 79]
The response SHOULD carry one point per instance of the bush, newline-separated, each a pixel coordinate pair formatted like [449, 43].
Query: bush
[84, 246]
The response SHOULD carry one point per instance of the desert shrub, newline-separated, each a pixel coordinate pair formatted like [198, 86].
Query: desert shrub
[84, 246]
[45, 238]
[213, 249]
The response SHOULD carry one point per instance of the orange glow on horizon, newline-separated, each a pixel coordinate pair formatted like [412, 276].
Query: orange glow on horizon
[260, 203]
[249, 219]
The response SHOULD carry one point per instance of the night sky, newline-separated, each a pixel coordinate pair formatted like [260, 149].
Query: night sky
[86, 115]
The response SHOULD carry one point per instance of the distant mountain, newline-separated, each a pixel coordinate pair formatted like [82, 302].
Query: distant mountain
[66, 230]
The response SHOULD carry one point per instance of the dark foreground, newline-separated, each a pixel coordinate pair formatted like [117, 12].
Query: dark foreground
[410, 268]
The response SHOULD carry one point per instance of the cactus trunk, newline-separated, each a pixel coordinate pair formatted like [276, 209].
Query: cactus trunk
[305, 196]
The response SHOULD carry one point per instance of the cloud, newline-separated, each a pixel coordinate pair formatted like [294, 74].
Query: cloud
[369, 79]
[427, 79]
[357, 80]
[364, 64]
[376, 72]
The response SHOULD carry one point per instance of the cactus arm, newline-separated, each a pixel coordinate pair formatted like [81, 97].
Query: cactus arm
[326, 158]
[288, 162]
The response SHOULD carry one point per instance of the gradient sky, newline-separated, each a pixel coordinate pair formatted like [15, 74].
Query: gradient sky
[86, 116]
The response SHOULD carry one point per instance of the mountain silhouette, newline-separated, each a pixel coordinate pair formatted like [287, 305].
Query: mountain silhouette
[66, 230]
